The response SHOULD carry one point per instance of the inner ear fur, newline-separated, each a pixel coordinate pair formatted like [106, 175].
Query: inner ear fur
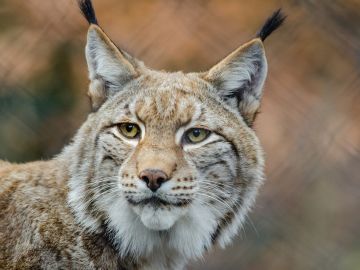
[239, 79]
[109, 68]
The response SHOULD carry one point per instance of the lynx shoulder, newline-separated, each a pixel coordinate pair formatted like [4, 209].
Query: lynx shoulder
[165, 167]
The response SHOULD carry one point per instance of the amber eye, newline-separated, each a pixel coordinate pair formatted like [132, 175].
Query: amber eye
[196, 135]
[129, 130]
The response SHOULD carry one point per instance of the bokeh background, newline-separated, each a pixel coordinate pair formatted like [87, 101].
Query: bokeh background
[307, 215]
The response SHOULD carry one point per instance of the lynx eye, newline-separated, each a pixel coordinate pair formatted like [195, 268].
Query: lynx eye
[196, 135]
[129, 130]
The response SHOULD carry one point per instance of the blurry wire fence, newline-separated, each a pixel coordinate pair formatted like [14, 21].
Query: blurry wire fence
[307, 214]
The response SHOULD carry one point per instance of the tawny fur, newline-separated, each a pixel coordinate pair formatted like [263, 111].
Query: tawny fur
[87, 207]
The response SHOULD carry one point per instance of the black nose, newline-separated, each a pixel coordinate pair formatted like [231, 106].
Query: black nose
[153, 178]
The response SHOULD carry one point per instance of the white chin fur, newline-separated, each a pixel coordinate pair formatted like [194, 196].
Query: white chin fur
[158, 219]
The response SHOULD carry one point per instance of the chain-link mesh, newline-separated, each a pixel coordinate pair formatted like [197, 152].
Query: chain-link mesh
[307, 214]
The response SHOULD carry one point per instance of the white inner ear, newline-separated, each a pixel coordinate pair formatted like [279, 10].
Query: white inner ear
[250, 69]
[104, 60]
[240, 77]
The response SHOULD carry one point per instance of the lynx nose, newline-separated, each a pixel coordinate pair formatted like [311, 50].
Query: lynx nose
[153, 178]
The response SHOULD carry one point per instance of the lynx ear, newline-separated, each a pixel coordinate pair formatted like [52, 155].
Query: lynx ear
[109, 68]
[239, 78]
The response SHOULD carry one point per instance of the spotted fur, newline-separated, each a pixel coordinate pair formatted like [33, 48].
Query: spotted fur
[88, 208]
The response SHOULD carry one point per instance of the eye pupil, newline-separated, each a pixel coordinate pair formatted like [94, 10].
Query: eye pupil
[196, 132]
[129, 127]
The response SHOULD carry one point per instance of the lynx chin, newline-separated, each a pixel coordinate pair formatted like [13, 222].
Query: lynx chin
[166, 166]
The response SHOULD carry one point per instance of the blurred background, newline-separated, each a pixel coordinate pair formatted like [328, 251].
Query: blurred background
[307, 215]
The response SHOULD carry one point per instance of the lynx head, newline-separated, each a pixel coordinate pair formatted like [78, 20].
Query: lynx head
[168, 159]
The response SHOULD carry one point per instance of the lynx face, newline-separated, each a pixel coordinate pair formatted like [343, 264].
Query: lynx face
[177, 148]
[168, 162]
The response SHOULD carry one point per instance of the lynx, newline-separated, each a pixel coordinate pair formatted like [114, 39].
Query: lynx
[166, 166]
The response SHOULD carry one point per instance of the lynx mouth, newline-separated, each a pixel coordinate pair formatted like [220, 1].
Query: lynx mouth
[159, 213]
[156, 201]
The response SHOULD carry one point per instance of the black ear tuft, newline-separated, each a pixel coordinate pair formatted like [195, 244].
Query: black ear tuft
[88, 11]
[271, 24]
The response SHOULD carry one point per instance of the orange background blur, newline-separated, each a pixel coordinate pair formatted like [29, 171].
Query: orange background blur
[307, 214]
